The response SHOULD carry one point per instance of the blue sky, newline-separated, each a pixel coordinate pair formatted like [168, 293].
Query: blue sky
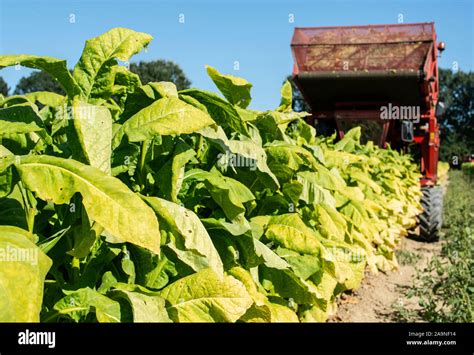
[256, 33]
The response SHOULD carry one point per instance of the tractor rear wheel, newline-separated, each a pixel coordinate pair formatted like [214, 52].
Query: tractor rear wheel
[431, 219]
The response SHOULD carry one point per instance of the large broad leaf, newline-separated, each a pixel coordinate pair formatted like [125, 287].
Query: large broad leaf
[290, 232]
[78, 304]
[286, 97]
[244, 154]
[145, 308]
[286, 159]
[312, 192]
[145, 95]
[107, 200]
[20, 119]
[171, 175]
[228, 193]
[273, 124]
[93, 125]
[206, 297]
[46, 98]
[22, 273]
[248, 250]
[365, 179]
[281, 314]
[220, 110]
[350, 141]
[12, 211]
[304, 266]
[236, 90]
[286, 284]
[332, 224]
[93, 71]
[7, 180]
[153, 271]
[328, 179]
[56, 67]
[125, 81]
[192, 243]
[166, 116]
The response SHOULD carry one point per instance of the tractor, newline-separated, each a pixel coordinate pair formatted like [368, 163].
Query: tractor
[383, 78]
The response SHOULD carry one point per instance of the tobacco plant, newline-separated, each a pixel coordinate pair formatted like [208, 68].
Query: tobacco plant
[125, 202]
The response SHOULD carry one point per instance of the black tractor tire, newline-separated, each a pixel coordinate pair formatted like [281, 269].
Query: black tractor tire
[431, 219]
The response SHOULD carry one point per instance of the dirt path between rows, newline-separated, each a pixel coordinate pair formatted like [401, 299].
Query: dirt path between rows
[374, 300]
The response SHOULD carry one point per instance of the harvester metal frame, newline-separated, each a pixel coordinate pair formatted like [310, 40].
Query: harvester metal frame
[335, 67]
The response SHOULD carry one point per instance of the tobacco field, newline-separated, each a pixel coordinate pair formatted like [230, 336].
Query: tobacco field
[131, 202]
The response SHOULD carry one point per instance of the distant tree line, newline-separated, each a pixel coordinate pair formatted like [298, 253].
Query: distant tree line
[158, 70]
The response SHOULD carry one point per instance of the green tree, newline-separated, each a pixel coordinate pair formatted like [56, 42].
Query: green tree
[161, 70]
[457, 124]
[38, 81]
[3, 87]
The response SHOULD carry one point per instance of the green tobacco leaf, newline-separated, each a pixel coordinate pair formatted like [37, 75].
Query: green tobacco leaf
[286, 97]
[290, 232]
[49, 243]
[192, 243]
[170, 176]
[12, 213]
[228, 193]
[252, 155]
[166, 116]
[220, 224]
[78, 304]
[3, 153]
[366, 180]
[285, 159]
[281, 314]
[125, 81]
[262, 310]
[46, 98]
[20, 119]
[236, 90]
[332, 223]
[350, 141]
[106, 199]
[245, 277]
[286, 284]
[256, 253]
[314, 315]
[84, 239]
[273, 125]
[145, 308]
[93, 125]
[7, 180]
[328, 179]
[145, 95]
[93, 71]
[206, 297]
[22, 274]
[304, 266]
[56, 67]
[222, 112]
[153, 271]
[312, 192]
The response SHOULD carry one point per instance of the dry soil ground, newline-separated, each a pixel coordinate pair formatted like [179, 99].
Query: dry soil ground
[373, 301]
